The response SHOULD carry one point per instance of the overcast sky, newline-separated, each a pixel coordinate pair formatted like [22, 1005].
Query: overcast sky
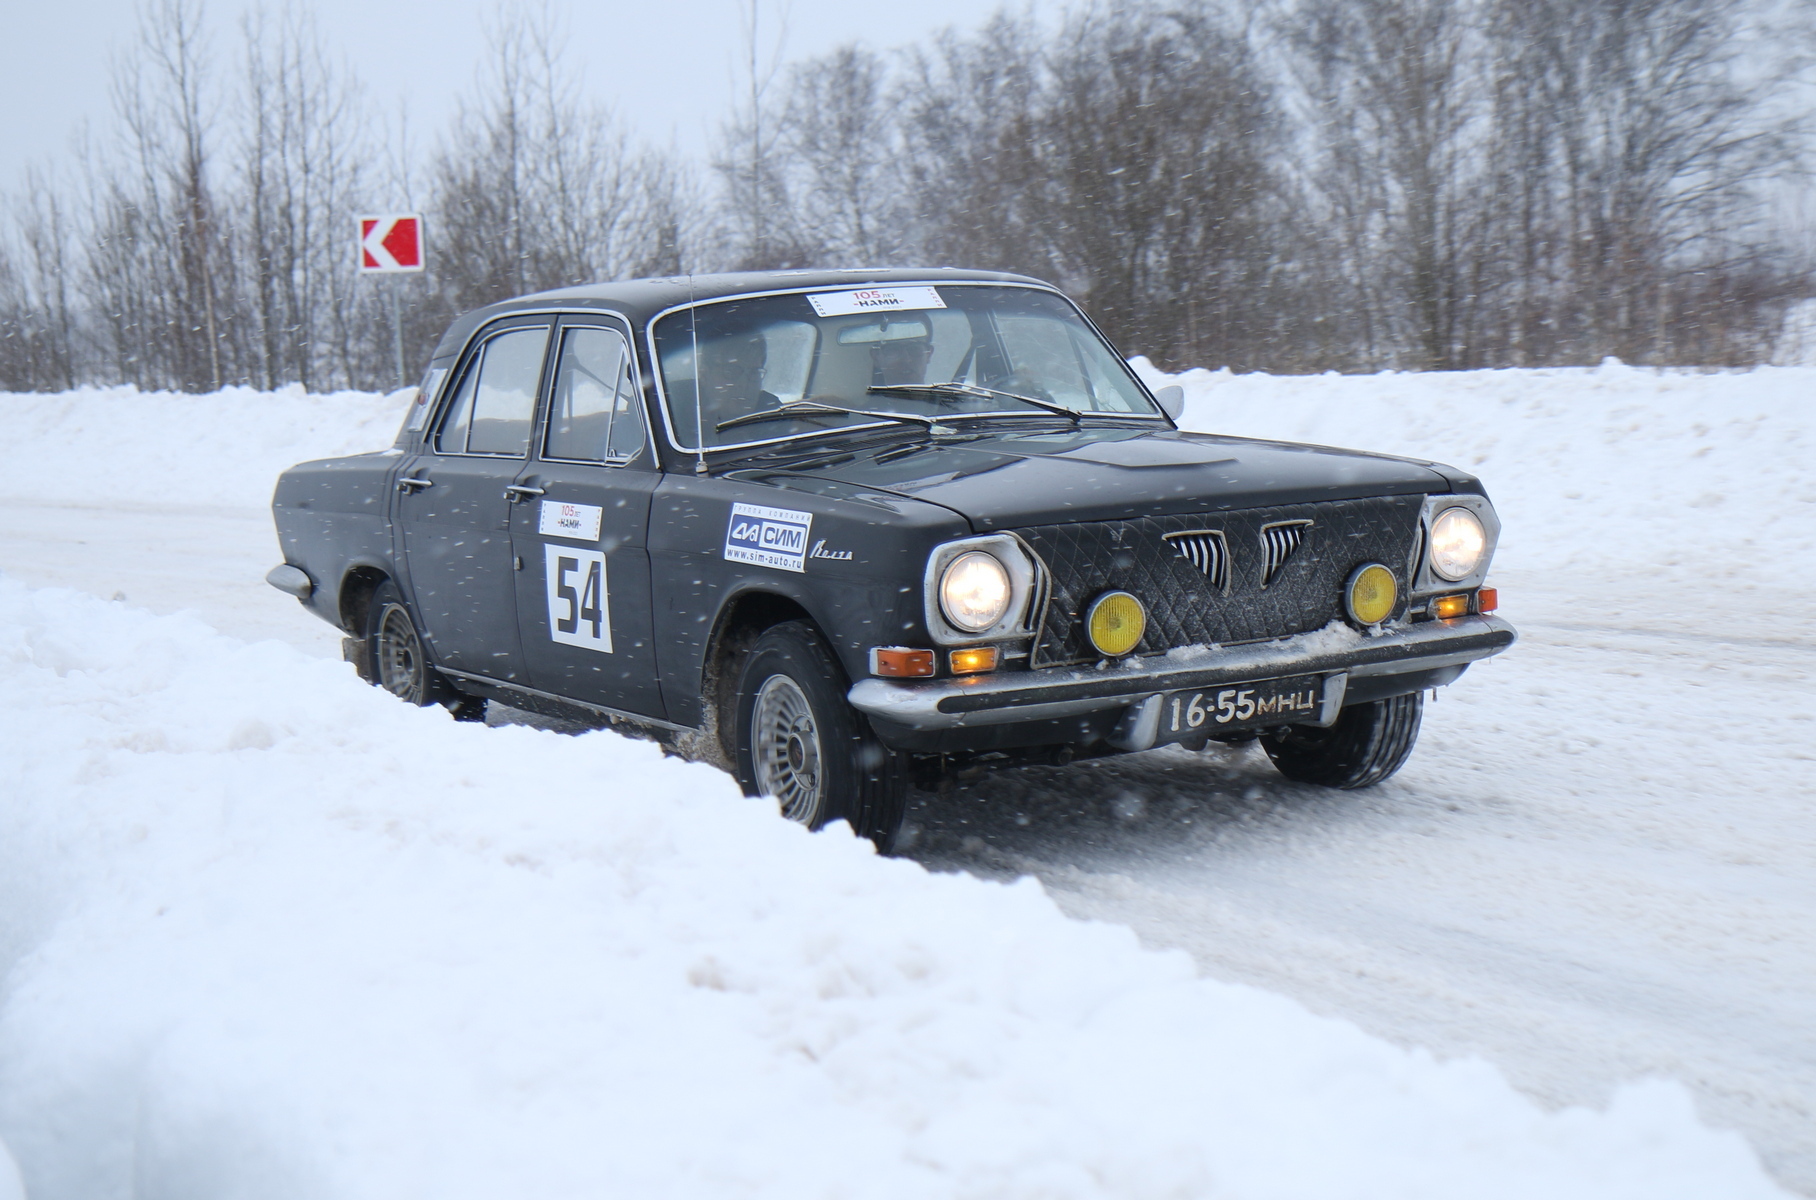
[666, 66]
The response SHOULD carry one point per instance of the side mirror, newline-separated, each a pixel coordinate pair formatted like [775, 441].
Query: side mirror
[1171, 399]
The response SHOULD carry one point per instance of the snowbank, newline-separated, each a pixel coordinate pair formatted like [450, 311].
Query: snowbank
[121, 446]
[1656, 474]
[271, 933]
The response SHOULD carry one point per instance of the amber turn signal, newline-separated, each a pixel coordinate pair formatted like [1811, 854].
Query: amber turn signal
[970, 662]
[1450, 606]
[900, 662]
[1487, 599]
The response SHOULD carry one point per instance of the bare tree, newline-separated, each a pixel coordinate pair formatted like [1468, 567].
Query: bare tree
[1157, 142]
[1397, 120]
[536, 188]
[1645, 155]
[161, 276]
[38, 337]
[843, 143]
[301, 152]
[760, 224]
[971, 111]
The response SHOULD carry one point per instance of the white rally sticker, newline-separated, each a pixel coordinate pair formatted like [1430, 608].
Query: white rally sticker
[840, 304]
[580, 609]
[560, 519]
[768, 537]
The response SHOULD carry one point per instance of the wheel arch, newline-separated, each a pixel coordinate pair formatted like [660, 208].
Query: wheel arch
[742, 619]
[357, 584]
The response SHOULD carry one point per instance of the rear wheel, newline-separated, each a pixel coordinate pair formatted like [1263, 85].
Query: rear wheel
[399, 663]
[1367, 743]
[797, 739]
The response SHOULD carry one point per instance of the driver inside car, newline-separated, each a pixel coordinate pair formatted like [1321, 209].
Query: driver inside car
[899, 362]
[731, 378]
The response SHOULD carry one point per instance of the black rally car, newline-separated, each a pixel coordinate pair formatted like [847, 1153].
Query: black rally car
[840, 530]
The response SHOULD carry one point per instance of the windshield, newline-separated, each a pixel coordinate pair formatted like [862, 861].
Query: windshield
[878, 350]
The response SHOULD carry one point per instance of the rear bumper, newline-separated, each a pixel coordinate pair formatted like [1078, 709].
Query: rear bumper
[1013, 697]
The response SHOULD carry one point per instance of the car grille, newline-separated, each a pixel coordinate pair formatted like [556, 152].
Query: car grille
[1204, 549]
[1278, 541]
[1219, 578]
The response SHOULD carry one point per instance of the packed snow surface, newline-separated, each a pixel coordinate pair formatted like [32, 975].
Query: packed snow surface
[265, 931]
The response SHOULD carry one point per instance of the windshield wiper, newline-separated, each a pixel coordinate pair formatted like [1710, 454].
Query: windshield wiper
[970, 391]
[816, 407]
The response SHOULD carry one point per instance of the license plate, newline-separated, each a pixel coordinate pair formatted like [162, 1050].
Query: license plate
[1195, 713]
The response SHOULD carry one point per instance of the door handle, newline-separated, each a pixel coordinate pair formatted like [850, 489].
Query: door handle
[521, 491]
[409, 484]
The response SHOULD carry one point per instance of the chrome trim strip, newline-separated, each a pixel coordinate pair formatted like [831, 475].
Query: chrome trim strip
[615, 714]
[623, 330]
[1025, 580]
[1427, 582]
[1014, 696]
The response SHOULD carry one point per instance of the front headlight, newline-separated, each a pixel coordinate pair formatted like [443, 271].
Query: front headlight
[1457, 543]
[975, 591]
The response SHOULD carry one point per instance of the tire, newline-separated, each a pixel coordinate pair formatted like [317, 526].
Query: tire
[797, 739]
[1368, 743]
[400, 664]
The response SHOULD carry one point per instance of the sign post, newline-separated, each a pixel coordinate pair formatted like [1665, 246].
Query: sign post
[392, 244]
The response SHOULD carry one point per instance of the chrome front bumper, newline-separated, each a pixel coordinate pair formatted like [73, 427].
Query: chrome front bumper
[1339, 654]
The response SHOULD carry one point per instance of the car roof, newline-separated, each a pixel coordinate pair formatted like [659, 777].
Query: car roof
[641, 299]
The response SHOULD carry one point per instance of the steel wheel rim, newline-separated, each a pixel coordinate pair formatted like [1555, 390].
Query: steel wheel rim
[785, 744]
[399, 654]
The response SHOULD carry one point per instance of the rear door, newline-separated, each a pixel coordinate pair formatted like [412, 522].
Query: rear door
[580, 529]
[453, 517]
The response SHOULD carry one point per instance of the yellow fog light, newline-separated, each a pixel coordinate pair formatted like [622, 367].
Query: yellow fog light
[1115, 622]
[1371, 594]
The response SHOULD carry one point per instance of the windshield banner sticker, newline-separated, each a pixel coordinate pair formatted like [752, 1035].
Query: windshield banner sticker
[842, 304]
[768, 537]
[570, 520]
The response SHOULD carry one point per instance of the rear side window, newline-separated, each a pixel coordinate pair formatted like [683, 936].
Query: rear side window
[491, 412]
[594, 415]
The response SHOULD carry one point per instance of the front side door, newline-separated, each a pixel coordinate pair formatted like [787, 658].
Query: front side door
[453, 516]
[580, 529]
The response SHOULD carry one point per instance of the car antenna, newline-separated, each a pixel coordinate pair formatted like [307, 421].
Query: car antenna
[693, 329]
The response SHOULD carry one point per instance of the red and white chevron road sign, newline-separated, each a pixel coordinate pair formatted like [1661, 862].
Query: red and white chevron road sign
[390, 242]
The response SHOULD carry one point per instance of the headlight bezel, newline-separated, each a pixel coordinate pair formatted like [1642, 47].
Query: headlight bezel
[983, 567]
[1435, 554]
[1427, 581]
[1017, 562]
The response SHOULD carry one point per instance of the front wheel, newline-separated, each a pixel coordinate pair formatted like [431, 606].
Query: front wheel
[1367, 743]
[797, 739]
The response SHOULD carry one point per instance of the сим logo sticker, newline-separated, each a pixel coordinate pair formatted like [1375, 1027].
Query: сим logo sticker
[768, 537]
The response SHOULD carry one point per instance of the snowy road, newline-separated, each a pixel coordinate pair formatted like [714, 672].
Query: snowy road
[1552, 883]
[1599, 865]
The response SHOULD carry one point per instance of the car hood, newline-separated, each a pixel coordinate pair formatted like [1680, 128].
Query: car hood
[1008, 480]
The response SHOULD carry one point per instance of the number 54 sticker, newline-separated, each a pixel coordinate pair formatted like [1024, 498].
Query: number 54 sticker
[579, 603]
